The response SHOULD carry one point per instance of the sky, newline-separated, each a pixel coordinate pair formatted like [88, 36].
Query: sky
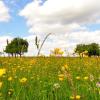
[71, 22]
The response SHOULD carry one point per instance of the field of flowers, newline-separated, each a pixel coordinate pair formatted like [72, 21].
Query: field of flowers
[49, 78]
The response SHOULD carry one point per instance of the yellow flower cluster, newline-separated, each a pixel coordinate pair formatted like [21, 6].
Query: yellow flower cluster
[2, 71]
[77, 97]
[85, 78]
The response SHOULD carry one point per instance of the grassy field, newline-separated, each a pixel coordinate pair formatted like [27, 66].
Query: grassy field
[49, 79]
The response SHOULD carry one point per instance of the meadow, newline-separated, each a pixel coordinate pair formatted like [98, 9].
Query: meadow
[51, 78]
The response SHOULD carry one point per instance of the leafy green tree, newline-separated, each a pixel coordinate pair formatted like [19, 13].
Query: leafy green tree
[93, 49]
[17, 46]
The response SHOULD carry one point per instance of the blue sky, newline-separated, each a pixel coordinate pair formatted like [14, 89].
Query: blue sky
[28, 18]
[16, 26]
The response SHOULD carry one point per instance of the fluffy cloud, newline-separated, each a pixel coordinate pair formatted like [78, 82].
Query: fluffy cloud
[3, 41]
[4, 12]
[66, 18]
[60, 16]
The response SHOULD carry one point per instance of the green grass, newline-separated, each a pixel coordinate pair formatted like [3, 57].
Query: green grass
[43, 82]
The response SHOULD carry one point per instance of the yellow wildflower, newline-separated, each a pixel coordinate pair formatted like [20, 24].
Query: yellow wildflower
[2, 71]
[10, 79]
[61, 77]
[66, 66]
[63, 68]
[23, 80]
[78, 97]
[78, 77]
[72, 97]
[86, 78]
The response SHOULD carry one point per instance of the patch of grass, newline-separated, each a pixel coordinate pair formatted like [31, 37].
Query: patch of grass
[50, 79]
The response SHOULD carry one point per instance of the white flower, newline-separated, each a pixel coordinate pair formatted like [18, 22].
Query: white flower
[91, 78]
[56, 86]
[98, 84]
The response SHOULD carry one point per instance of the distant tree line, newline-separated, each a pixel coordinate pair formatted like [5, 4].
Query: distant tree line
[19, 46]
[92, 49]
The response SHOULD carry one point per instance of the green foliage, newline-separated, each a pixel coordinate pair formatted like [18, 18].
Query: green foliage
[93, 49]
[17, 46]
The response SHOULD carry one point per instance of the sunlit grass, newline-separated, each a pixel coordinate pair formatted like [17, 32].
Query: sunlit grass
[49, 78]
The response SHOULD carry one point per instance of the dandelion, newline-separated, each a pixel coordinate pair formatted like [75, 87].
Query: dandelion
[61, 77]
[66, 66]
[23, 80]
[86, 78]
[2, 71]
[78, 97]
[10, 79]
[78, 78]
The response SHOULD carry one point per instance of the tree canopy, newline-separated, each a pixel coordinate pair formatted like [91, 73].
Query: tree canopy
[17, 46]
[93, 49]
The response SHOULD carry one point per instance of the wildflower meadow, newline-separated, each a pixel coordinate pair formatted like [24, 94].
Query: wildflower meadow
[50, 78]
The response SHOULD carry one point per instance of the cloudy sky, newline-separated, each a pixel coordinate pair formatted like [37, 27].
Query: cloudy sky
[70, 21]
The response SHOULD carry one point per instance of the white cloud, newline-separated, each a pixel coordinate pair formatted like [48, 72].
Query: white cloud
[4, 12]
[3, 42]
[64, 17]
[59, 16]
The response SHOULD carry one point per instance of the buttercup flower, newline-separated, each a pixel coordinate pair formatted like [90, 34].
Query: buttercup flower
[23, 80]
[78, 97]
[10, 79]
[2, 71]
[86, 78]
[61, 77]
[78, 78]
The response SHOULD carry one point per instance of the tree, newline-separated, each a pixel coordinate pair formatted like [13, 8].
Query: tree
[17, 46]
[92, 49]
[56, 52]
